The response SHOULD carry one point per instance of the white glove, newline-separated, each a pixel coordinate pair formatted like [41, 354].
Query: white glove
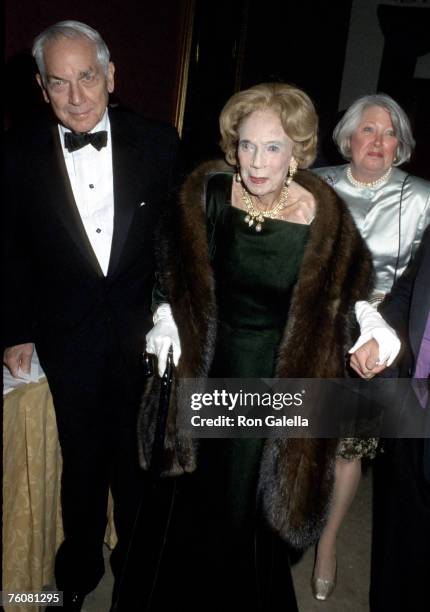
[372, 325]
[162, 336]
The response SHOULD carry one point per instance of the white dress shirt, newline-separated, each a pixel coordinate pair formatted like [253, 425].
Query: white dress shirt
[91, 177]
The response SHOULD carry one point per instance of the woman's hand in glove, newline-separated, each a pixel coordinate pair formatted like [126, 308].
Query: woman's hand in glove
[162, 336]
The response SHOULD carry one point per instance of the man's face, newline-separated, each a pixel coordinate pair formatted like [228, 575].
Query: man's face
[76, 86]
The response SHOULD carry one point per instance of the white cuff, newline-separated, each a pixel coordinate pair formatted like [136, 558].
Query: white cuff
[372, 325]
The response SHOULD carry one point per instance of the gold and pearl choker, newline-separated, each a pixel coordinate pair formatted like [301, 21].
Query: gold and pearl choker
[256, 215]
[361, 184]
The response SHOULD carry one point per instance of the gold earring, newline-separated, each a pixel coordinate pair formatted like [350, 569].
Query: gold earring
[292, 169]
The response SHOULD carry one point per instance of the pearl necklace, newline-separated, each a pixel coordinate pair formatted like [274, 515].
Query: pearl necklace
[256, 215]
[361, 185]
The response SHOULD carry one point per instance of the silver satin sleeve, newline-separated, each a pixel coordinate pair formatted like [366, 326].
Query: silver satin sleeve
[390, 220]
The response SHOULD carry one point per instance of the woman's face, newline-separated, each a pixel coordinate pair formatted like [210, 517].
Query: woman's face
[373, 143]
[264, 154]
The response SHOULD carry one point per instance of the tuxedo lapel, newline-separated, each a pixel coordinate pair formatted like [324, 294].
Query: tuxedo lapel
[60, 197]
[130, 184]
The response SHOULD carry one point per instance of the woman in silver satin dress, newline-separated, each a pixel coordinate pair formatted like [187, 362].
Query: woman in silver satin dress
[391, 209]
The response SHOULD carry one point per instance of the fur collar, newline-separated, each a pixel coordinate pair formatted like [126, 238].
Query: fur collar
[296, 475]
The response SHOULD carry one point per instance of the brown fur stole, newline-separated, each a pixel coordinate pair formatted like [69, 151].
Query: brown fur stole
[296, 475]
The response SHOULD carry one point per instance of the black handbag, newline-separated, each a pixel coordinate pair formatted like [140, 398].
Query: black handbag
[157, 455]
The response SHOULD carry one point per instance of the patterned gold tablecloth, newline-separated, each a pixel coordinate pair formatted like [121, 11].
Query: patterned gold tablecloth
[32, 527]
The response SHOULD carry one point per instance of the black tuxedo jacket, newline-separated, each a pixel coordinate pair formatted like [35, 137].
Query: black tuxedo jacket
[401, 529]
[406, 308]
[57, 295]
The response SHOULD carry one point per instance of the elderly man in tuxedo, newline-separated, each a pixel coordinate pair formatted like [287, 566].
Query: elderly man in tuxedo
[401, 533]
[85, 193]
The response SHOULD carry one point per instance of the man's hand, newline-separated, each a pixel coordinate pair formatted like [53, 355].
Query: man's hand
[18, 359]
[365, 360]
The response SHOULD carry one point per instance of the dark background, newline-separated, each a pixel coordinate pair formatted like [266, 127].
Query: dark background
[235, 44]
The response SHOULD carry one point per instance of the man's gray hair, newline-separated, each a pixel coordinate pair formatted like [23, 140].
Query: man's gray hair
[69, 29]
[348, 124]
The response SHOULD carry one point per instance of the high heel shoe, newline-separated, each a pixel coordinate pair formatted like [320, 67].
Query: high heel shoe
[323, 588]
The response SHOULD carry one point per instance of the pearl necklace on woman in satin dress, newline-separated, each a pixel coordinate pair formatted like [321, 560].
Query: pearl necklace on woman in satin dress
[361, 184]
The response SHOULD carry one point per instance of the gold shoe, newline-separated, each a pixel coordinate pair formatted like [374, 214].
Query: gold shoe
[322, 588]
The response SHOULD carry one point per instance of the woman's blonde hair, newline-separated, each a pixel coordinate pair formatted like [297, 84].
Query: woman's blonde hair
[294, 108]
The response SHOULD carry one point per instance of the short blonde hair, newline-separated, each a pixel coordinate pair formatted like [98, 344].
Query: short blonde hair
[294, 108]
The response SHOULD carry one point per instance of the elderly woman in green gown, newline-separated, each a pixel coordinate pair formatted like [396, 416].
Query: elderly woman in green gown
[259, 270]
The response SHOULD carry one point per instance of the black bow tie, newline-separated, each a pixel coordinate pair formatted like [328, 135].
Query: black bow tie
[73, 141]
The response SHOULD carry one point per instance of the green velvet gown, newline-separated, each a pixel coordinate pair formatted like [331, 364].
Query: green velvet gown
[217, 553]
[255, 274]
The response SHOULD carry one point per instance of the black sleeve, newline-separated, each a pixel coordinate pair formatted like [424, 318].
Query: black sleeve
[396, 306]
[169, 214]
[18, 263]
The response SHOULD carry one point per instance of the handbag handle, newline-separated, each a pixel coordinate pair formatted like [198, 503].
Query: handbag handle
[157, 456]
